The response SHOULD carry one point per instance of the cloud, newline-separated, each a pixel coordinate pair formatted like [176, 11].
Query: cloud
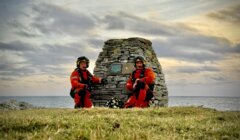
[231, 15]
[180, 52]
[180, 40]
[192, 70]
[55, 54]
[20, 59]
[52, 19]
[95, 42]
[124, 21]
[18, 29]
[236, 49]
[40, 41]
[13, 71]
[114, 22]
[7, 79]
[195, 47]
[26, 34]
[12, 9]
[218, 78]
[16, 46]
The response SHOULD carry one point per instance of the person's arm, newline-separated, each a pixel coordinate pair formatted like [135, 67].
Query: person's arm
[96, 79]
[149, 76]
[74, 78]
[129, 84]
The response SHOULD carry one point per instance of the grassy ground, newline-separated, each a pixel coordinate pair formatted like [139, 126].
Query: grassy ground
[111, 124]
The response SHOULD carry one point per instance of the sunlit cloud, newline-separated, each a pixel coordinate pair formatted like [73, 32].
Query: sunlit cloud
[231, 15]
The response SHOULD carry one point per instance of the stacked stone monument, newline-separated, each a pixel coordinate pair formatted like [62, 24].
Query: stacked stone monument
[116, 63]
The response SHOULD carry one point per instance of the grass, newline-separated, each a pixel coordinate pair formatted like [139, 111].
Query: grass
[112, 124]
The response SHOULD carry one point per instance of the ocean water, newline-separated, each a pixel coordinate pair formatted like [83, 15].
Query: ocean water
[218, 103]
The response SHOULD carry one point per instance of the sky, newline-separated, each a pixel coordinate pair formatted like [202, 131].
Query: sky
[197, 42]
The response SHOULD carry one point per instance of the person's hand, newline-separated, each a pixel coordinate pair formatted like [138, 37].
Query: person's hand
[85, 86]
[135, 83]
[104, 81]
[141, 84]
[89, 88]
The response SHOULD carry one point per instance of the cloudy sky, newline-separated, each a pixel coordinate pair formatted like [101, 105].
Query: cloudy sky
[197, 42]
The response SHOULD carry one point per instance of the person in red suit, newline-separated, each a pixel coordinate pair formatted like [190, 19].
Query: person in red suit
[82, 81]
[140, 84]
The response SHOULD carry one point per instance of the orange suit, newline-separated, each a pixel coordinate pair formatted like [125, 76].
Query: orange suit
[146, 77]
[81, 80]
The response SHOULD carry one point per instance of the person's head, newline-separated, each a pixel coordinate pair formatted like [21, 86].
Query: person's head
[82, 62]
[139, 62]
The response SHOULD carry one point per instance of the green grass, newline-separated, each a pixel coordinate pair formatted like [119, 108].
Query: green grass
[111, 124]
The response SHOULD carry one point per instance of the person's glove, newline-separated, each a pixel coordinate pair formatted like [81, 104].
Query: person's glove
[104, 81]
[140, 84]
[89, 88]
[85, 87]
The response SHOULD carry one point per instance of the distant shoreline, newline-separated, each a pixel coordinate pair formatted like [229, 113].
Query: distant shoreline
[218, 103]
[70, 97]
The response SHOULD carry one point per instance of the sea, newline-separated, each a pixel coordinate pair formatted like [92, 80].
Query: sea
[218, 103]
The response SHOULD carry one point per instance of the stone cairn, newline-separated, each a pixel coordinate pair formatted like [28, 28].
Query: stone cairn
[116, 63]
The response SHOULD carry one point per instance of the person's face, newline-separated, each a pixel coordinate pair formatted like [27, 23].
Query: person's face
[139, 65]
[83, 65]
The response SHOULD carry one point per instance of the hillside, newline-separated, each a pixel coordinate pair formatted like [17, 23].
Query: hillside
[103, 123]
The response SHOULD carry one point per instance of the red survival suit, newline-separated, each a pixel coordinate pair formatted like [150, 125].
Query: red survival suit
[138, 97]
[81, 80]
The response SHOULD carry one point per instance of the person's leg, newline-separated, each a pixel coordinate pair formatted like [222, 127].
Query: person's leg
[82, 94]
[79, 98]
[141, 102]
[87, 100]
[77, 101]
[130, 102]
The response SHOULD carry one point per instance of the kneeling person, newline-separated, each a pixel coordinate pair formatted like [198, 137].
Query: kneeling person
[82, 81]
[140, 84]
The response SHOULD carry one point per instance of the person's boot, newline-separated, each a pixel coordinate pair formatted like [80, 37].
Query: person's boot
[76, 106]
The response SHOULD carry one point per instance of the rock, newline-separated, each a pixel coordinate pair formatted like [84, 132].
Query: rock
[15, 105]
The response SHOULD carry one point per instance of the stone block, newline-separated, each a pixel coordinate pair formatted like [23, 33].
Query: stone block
[127, 68]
